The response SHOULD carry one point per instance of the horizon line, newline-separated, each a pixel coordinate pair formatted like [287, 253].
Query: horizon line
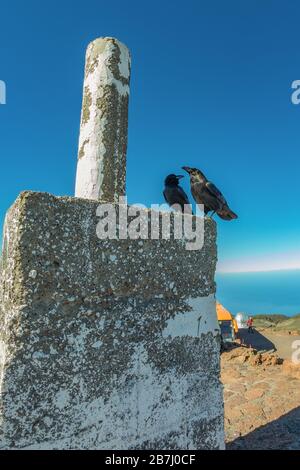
[258, 271]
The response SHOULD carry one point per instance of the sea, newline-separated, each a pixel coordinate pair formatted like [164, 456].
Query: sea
[260, 292]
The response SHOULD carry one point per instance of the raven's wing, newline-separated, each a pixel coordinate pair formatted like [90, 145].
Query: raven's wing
[165, 196]
[215, 192]
[176, 195]
[182, 195]
[183, 200]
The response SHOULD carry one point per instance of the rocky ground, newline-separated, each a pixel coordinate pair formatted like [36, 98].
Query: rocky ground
[262, 400]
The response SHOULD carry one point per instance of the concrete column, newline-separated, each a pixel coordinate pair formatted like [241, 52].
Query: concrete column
[101, 167]
[101, 350]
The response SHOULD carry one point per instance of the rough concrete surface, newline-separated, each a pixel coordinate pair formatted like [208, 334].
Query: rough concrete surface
[95, 351]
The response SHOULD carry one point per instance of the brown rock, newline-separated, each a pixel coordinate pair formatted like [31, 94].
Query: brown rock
[239, 354]
[236, 387]
[230, 376]
[271, 359]
[262, 385]
[291, 369]
[254, 393]
[233, 414]
[255, 360]
[273, 395]
[237, 400]
[252, 409]
[228, 394]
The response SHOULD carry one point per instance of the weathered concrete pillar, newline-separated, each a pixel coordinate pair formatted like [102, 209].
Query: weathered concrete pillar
[101, 168]
[105, 344]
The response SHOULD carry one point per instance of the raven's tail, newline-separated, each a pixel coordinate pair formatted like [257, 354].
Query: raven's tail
[227, 214]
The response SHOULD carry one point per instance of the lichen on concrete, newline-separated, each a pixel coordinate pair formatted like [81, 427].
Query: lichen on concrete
[114, 139]
[95, 351]
[81, 150]
[86, 104]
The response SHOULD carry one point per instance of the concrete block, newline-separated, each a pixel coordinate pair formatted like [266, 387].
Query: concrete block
[105, 344]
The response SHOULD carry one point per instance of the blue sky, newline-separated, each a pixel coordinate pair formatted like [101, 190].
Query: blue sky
[211, 88]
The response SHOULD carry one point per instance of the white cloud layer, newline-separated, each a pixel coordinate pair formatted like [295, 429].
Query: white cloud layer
[255, 263]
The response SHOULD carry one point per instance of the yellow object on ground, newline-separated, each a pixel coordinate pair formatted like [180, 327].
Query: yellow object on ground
[224, 315]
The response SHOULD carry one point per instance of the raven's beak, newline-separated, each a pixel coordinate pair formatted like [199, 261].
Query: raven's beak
[186, 168]
[179, 176]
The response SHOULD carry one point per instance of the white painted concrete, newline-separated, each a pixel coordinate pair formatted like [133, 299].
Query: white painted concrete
[92, 140]
[200, 319]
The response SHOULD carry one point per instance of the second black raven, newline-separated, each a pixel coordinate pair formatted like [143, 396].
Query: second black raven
[206, 193]
[175, 195]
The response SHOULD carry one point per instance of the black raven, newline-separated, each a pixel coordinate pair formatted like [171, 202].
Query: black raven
[206, 193]
[174, 194]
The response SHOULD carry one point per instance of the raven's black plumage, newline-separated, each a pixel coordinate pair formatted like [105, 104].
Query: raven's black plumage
[206, 193]
[174, 194]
